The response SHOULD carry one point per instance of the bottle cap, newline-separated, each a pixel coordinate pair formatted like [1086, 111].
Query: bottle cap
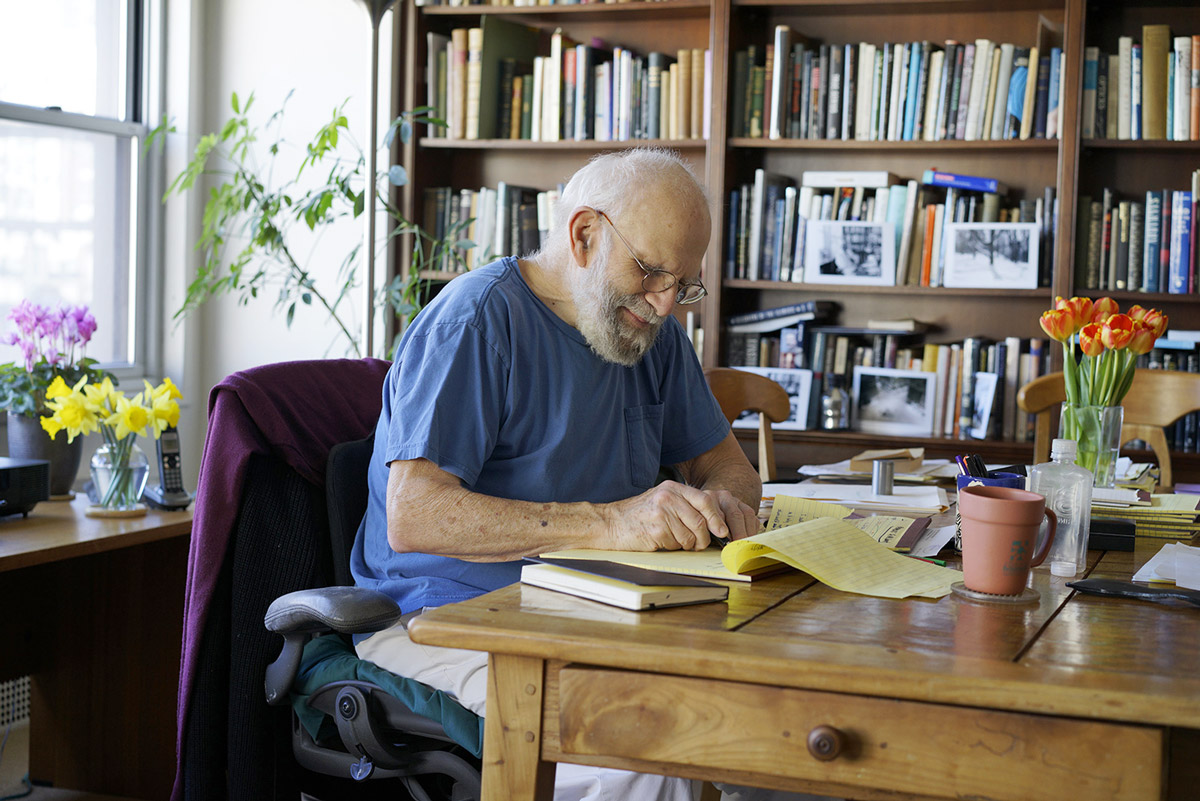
[1063, 447]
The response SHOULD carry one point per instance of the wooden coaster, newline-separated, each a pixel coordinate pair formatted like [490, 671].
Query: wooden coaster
[66, 496]
[1026, 596]
[99, 511]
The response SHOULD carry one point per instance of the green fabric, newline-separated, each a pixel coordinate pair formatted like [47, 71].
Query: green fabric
[329, 659]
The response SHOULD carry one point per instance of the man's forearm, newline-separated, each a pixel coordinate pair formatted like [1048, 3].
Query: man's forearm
[725, 467]
[428, 514]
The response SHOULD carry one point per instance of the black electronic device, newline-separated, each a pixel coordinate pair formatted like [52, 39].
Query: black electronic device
[1112, 534]
[170, 493]
[23, 483]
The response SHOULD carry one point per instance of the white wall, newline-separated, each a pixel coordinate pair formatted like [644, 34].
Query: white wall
[319, 49]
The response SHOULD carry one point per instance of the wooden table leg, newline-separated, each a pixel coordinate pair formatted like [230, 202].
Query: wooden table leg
[512, 740]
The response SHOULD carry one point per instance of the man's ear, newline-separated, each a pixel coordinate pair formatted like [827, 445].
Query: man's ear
[581, 230]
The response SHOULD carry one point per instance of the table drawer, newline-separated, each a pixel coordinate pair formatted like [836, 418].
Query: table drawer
[905, 746]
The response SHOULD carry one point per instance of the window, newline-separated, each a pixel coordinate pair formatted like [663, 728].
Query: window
[76, 215]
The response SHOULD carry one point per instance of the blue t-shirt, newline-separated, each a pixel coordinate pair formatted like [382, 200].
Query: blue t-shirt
[492, 386]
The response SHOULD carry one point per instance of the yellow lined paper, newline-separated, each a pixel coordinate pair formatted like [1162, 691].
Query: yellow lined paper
[837, 553]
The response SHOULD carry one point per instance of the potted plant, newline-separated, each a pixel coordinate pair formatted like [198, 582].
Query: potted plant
[249, 217]
[52, 344]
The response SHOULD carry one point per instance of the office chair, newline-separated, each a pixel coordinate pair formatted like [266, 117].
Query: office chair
[261, 530]
[375, 733]
[738, 391]
[1156, 399]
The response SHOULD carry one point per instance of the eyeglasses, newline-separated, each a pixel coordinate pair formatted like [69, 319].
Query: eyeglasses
[660, 280]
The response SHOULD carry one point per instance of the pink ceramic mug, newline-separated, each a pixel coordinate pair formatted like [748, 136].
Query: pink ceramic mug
[999, 528]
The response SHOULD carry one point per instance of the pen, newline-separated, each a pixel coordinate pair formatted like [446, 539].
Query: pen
[978, 468]
[939, 562]
[962, 466]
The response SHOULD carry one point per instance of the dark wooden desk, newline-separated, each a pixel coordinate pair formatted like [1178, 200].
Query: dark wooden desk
[92, 610]
[1071, 697]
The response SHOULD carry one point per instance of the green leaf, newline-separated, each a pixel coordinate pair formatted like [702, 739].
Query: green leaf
[397, 175]
[405, 132]
[307, 298]
[291, 312]
[236, 110]
[359, 203]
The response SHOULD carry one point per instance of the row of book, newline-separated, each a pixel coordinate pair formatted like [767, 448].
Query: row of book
[975, 385]
[487, 223]
[1147, 244]
[902, 91]
[518, 3]
[501, 81]
[1146, 90]
[772, 230]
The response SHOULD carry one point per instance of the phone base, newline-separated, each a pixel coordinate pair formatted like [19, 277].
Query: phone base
[157, 498]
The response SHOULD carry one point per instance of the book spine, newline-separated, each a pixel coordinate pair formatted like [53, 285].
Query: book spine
[1054, 92]
[804, 307]
[1137, 228]
[972, 183]
[1150, 249]
[1091, 72]
[1181, 225]
[1183, 88]
[1156, 43]
[1042, 104]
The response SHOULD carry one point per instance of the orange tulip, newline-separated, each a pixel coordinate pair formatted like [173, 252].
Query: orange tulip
[1079, 308]
[1089, 339]
[1143, 338]
[1156, 320]
[1117, 331]
[1104, 308]
[1057, 323]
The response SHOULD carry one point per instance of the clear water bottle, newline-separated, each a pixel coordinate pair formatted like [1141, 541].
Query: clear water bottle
[1067, 488]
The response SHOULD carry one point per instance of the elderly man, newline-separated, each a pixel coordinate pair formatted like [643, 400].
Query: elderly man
[529, 409]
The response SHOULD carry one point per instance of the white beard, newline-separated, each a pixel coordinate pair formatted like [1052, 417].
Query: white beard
[598, 316]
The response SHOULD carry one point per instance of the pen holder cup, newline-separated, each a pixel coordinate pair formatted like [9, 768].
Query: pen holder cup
[992, 479]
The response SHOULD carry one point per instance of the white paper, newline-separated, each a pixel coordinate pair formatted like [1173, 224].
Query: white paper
[932, 541]
[929, 467]
[1187, 567]
[860, 495]
[1164, 560]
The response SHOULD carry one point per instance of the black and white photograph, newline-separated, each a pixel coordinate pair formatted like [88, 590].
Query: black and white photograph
[982, 404]
[841, 252]
[991, 255]
[798, 385]
[894, 402]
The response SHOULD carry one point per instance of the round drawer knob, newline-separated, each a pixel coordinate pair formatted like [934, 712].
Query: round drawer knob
[825, 743]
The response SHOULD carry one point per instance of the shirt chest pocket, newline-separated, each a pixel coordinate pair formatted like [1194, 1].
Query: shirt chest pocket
[643, 431]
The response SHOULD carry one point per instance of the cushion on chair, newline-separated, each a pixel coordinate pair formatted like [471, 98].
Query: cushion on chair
[330, 659]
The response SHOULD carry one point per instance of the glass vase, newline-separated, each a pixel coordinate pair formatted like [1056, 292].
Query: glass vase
[119, 471]
[1097, 433]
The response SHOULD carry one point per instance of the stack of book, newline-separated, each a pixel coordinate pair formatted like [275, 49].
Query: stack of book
[1146, 90]
[508, 220]
[1141, 244]
[791, 87]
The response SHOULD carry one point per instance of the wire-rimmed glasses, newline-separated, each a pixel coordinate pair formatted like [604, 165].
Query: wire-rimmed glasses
[655, 281]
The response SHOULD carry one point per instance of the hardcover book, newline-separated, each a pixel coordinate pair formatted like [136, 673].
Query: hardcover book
[620, 585]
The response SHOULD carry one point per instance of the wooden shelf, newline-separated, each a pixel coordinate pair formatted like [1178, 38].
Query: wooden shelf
[852, 289]
[922, 147]
[584, 145]
[662, 9]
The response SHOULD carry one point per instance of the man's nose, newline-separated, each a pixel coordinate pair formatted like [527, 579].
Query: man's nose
[662, 302]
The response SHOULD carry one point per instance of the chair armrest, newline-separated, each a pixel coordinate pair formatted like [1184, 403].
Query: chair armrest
[299, 615]
[346, 610]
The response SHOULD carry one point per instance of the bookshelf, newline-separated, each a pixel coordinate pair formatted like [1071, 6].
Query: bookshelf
[1069, 164]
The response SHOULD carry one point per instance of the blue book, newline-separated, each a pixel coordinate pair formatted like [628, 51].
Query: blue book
[1152, 241]
[1052, 131]
[808, 309]
[1181, 226]
[1135, 91]
[1091, 74]
[731, 236]
[972, 183]
[1170, 95]
[910, 102]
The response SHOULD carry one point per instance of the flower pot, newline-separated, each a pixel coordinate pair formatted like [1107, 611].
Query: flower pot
[1097, 433]
[119, 471]
[28, 440]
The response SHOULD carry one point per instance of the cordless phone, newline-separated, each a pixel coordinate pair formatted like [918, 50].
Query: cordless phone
[170, 494]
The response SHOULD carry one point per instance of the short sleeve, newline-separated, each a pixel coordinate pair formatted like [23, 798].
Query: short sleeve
[447, 398]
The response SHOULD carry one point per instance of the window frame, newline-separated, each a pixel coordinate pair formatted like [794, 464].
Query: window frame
[142, 104]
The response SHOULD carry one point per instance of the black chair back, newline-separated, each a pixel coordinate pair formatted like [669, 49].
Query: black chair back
[346, 496]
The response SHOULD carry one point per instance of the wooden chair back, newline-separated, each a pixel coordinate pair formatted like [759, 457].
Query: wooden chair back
[1156, 399]
[738, 391]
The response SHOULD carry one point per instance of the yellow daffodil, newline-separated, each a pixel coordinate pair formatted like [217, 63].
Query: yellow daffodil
[130, 416]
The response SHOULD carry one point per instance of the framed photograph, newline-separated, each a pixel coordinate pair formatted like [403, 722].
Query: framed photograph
[849, 252]
[982, 404]
[894, 402]
[797, 383]
[991, 255]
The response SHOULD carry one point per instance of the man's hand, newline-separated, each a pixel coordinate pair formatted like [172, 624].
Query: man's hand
[674, 516]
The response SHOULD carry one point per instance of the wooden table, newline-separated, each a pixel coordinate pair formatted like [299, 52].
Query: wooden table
[92, 612]
[1071, 697]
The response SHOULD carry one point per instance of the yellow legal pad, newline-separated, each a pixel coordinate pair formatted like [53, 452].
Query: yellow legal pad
[843, 556]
